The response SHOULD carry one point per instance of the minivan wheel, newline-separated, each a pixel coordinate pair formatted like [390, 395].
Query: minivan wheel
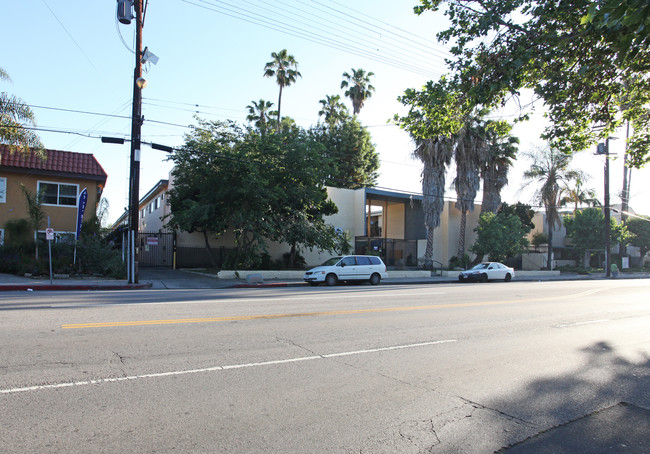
[375, 279]
[331, 279]
[508, 277]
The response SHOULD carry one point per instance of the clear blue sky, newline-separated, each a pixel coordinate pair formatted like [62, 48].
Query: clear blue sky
[71, 55]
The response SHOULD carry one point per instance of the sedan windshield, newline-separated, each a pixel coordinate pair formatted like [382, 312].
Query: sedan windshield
[331, 262]
[480, 266]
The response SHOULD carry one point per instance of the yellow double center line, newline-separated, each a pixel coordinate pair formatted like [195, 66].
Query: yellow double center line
[310, 314]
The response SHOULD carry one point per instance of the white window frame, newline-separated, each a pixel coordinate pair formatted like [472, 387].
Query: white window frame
[3, 190]
[58, 197]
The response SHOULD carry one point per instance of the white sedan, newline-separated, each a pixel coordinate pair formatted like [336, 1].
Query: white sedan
[487, 271]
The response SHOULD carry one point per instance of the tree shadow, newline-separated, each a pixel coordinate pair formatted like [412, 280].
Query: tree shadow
[605, 380]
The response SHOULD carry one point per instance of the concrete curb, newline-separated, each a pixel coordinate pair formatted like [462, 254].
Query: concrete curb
[82, 287]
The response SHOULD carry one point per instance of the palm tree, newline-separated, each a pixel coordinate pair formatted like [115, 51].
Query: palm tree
[284, 68]
[436, 155]
[358, 87]
[259, 114]
[14, 114]
[501, 152]
[468, 155]
[550, 170]
[578, 195]
[333, 110]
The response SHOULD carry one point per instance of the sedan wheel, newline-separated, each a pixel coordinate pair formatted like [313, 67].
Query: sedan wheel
[331, 279]
[484, 277]
[508, 277]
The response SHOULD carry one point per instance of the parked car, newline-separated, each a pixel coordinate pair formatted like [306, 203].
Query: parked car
[487, 271]
[348, 268]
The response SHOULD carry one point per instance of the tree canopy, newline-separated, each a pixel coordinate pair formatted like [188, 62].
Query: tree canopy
[261, 187]
[578, 57]
[353, 160]
[586, 228]
[500, 236]
[639, 229]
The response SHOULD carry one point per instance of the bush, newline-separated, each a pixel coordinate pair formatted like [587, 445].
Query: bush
[94, 256]
[462, 262]
[299, 264]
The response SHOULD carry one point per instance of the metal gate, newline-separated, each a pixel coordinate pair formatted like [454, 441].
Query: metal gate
[156, 249]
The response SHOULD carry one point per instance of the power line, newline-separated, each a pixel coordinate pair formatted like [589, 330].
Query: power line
[291, 29]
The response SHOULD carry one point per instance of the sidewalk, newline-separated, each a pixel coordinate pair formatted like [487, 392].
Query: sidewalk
[162, 278]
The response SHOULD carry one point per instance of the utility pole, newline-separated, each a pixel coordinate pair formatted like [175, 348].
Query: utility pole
[136, 126]
[603, 149]
[608, 258]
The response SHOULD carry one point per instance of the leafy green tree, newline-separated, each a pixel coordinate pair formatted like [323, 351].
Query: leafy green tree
[500, 236]
[15, 119]
[259, 114]
[333, 110]
[261, 187]
[353, 160]
[628, 18]
[358, 87]
[586, 228]
[284, 68]
[523, 211]
[550, 171]
[639, 228]
[569, 54]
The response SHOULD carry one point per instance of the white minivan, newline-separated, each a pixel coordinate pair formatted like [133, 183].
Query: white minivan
[348, 268]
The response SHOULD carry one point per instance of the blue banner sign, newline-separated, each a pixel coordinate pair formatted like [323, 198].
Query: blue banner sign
[81, 207]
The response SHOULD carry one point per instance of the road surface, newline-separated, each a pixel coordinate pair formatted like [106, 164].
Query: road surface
[349, 369]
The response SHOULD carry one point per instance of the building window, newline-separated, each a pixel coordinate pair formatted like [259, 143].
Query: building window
[58, 193]
[3, 190]
[2, 237]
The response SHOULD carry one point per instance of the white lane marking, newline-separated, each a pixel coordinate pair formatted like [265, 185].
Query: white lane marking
[589, 322]
[219, 368]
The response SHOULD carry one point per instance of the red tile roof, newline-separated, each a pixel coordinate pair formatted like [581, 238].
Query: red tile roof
[65, 162]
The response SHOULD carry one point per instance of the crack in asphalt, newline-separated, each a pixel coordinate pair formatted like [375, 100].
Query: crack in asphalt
[295, 344]
[479, 406]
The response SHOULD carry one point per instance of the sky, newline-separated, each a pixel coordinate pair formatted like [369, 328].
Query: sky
[72, 62]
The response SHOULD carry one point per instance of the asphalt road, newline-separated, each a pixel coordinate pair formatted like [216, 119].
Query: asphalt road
[351, 369]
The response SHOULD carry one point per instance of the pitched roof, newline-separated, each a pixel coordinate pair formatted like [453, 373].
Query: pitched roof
[56, 161]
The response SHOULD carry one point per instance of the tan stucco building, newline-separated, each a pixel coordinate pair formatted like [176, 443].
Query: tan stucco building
[60, 176]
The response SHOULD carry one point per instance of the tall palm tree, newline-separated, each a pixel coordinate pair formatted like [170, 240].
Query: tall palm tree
[333, 110]
[500, 155]
[550, 170]
[436, 155]
[358, 87]
[14, 114]
[468, 155]
[284, 68]
[259, 114]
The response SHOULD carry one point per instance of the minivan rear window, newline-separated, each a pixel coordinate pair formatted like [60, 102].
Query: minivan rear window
[375, 260]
